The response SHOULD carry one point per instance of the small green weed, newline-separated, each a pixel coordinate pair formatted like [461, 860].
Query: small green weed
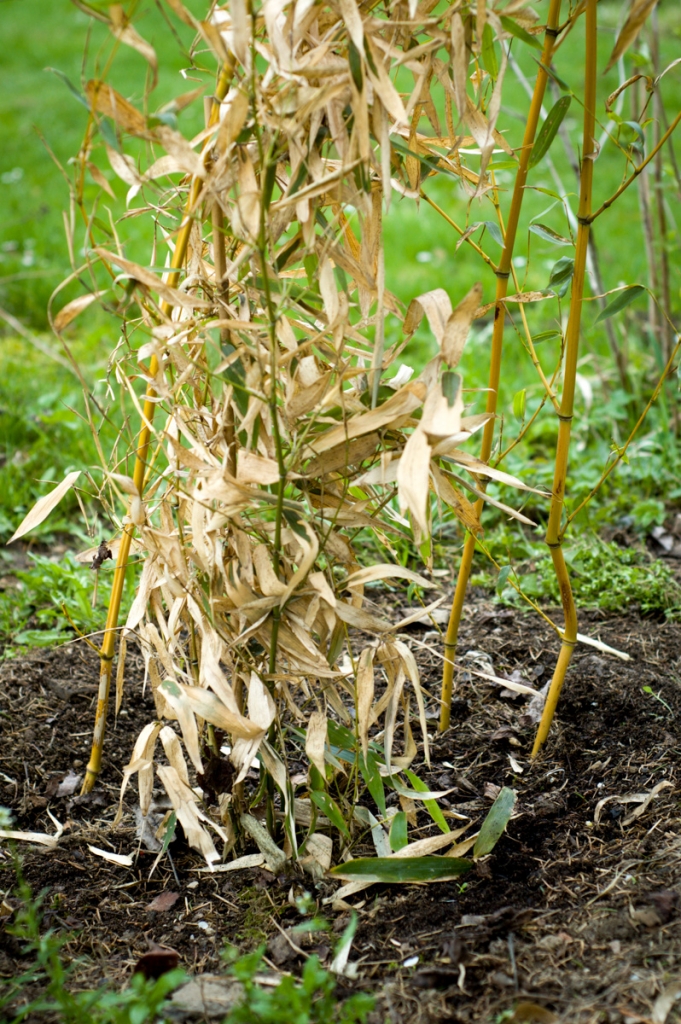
[312, 1000]
[36, 612]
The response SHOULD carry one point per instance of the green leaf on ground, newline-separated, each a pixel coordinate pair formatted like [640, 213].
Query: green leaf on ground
[402, 869]
[495, 823]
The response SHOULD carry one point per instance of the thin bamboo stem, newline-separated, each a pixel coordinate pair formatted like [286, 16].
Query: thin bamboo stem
[621, 452]
[637, 170]
[554, 535]
[106, 654]
[503, 272]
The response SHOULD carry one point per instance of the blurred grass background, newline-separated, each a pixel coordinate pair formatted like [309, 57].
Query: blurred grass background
[43, 432]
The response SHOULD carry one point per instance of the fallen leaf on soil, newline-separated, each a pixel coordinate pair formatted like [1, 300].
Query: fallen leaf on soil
[666, 902]
[123, 859]
[164, 901]
[6, 909]
[495, 823]
[401, 869]
[647, 916]
[250, 860]
[664, 1002]
[35, 837]
[435, 977]
[159, 960]
[68, 785]
[531, 1013]
[644, 799]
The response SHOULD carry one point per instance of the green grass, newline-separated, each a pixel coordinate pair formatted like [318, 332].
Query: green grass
[43, 432]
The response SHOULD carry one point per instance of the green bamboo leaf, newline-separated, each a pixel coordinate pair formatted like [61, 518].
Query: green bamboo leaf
[548, 130]
[519, 404]
[402, 869]
[637, 132]
[495, 823]
[355, 62]
[431, 806]
[374, 782]
[451, 385]
[561, 275]
[547, 192]
[489, 56]
[69, 85]
[549, 235]
[545, 335]
[413, 794]
[502, 576]
[330, 808]
[520, 33]
[552, 74]
[108, 133]
[169, 833]
[621, 301]
[398, 832]
[494, 230]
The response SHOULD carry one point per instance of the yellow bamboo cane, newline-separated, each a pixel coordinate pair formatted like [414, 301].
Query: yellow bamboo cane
[106, 653]
[554, 533]
[502, 273]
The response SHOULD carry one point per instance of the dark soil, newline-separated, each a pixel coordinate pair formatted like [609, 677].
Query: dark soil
[576, 911]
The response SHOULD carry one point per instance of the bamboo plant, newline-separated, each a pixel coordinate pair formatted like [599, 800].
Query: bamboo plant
[272, 430]
[280, 435]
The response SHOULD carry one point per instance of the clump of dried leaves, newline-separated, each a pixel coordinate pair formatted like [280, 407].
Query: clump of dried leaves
[280, 431]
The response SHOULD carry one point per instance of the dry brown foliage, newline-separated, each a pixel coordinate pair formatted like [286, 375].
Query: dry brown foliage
[280, 432]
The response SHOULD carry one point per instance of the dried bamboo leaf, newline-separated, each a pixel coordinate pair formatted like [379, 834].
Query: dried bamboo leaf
[413, 478]
[402, 403]
[105, 100]
[134, 272]
[44, 506]
[315, 740]
[129, 35]
[190, 817]
[636, 19]
[365, 696]
[458, 325]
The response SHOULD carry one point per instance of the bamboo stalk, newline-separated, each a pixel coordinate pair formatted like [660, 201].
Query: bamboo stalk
[503, 272]
[665, 325]
[106, 653]
[554, 533]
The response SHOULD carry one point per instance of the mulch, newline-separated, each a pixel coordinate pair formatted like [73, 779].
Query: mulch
[573, 917]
